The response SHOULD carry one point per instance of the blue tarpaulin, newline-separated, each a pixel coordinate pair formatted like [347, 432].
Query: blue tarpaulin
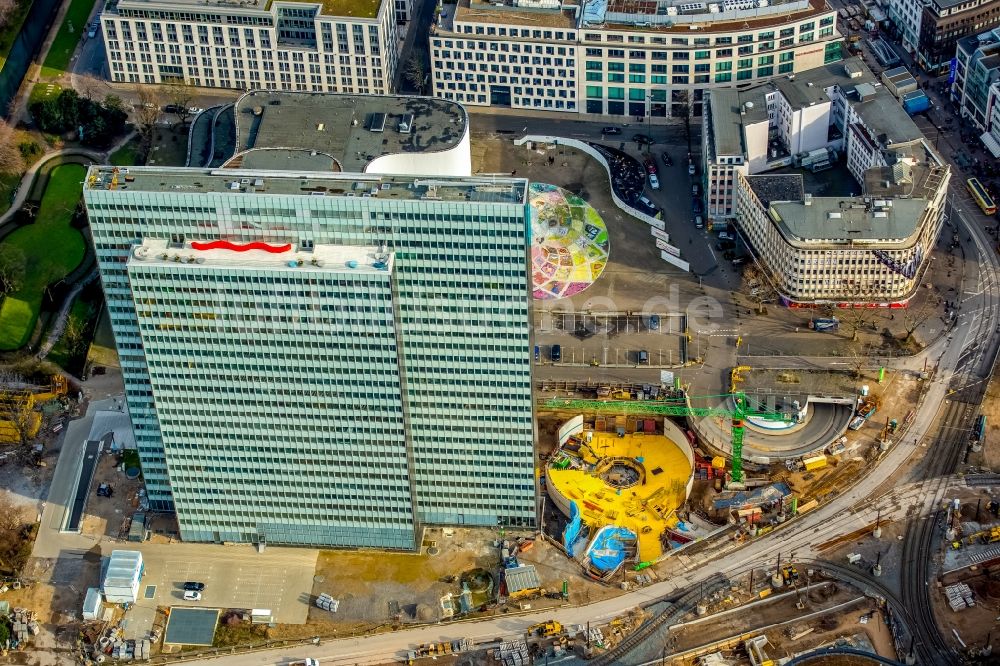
[593, 11]
[572, 531]
[607, 551]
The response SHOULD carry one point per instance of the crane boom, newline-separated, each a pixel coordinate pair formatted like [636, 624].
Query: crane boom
[678, 407]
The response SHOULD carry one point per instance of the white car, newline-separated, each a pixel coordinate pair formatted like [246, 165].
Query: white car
[191, 595]
[195, 110]
[690, 169]
[654, 182]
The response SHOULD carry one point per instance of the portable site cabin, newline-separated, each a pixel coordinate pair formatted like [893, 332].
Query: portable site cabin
[122, 576]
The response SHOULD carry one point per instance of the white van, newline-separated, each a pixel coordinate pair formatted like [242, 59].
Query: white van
[698, 222]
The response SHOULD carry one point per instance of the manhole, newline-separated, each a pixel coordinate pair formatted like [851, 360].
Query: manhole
[150, 591]
[433, 550]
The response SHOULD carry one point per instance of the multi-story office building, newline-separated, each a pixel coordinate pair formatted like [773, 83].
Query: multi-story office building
[944, 22]
[324, 46]
[867, 244]
[976, 89]
[622, 58]
[326, 358]
[906, 15]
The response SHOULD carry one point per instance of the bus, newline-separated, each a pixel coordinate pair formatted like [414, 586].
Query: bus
[981, 196]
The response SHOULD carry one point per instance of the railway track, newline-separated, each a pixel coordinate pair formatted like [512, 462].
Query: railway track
[982, 480]
[673, 613]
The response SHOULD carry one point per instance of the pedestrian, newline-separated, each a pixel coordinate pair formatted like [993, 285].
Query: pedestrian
[513, 173]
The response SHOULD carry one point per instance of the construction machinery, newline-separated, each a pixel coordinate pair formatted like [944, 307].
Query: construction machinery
[546, 629]
[734, 406]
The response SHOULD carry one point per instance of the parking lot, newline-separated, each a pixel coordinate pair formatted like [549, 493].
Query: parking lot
[279, 579]
[610, 339]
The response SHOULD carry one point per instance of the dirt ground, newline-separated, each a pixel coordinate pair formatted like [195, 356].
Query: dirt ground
[366, 583]
[989, 457]
[111, 516]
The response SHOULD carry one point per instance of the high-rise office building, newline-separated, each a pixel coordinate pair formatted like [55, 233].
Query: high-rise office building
[325, 359]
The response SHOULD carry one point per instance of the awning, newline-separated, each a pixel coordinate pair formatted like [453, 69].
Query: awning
[991, 143]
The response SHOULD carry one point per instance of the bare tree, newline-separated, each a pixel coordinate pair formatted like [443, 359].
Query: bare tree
[415, 73]
[179, 95]
[147, 110]
[6, 9]
[12, 267]
[11, 159]
[19, 421]
[758, 287]
[14, 545]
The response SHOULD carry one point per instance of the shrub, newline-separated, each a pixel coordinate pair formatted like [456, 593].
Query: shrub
[100, 122]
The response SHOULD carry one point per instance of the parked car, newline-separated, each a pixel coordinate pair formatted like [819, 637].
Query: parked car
[643, 139]
[691, 169]
[666, 160]
[643, 357]
[195, 110]
[194, 586]
[696, 206]
[725, 245]
[698, 222]
[650, 165]
[654, 322]
[555, 354]
[611, 131]
[191, 595]
[696, 190]
[654, 182]
[646, 206]
[725, 235]
[172, 108]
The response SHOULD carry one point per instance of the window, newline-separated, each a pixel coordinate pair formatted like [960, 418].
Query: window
[765, 60]
[637, 94]
[681, 55]
[787, 56]
[723, 78]
[681, 80]
[702, 55]
[765, 72]
[593, 76]
[595, 91]
[744, 74]
[786, 68]
[705, 67]
[616, 78]
[701, 78]
[828, 20]
[787, 32]
[658, 80]
[616, 67]
[807, 27]
[594, 66]
[723, 53]
[724, 66]
[637, 67]
[679, 69]
[636, 78]
[825, 32]
[745, 50]
[723, 40]
[745, 63]
[679, 41]
[616, 93]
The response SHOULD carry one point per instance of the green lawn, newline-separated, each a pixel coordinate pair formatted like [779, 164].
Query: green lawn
[73, 26]
[8, 183]
[127, 155]
[11, 29]
[52, 247]
[43, 91]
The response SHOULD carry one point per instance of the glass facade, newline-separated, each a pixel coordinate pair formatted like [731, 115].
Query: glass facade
[289, 429]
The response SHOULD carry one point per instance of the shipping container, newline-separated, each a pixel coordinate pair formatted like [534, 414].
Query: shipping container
[815, 462]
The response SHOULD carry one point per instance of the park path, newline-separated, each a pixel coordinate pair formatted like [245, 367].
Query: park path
[59, 324]
[29, 176]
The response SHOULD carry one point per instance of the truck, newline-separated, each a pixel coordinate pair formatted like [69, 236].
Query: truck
[865, 411]
[824, 324]
[305, 662]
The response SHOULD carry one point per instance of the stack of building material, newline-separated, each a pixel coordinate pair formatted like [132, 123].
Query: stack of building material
[23, 624]
[595, 637]
[326, 602]
[514, 653]
[959, 596]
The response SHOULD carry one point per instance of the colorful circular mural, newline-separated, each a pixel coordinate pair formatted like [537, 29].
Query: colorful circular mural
[569, 242]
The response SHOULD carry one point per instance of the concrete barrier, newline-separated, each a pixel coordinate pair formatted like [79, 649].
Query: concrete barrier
[585, 147]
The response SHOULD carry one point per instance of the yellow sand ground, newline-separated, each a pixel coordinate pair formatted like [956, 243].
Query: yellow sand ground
[646, 508]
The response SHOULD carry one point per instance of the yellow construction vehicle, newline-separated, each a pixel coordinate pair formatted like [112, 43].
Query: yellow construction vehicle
[991, 535]
[545, 629]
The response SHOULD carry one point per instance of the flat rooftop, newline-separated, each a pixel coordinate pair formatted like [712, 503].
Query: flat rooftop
[841, 220]
[711, 22]
[807, 88]
[486, 12]
[273, 256]
[335, 132]
[360, 9]
[884, 116]
[240, 184]
[787, 187]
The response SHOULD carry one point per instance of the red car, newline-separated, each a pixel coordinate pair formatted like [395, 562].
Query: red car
[651, 167]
